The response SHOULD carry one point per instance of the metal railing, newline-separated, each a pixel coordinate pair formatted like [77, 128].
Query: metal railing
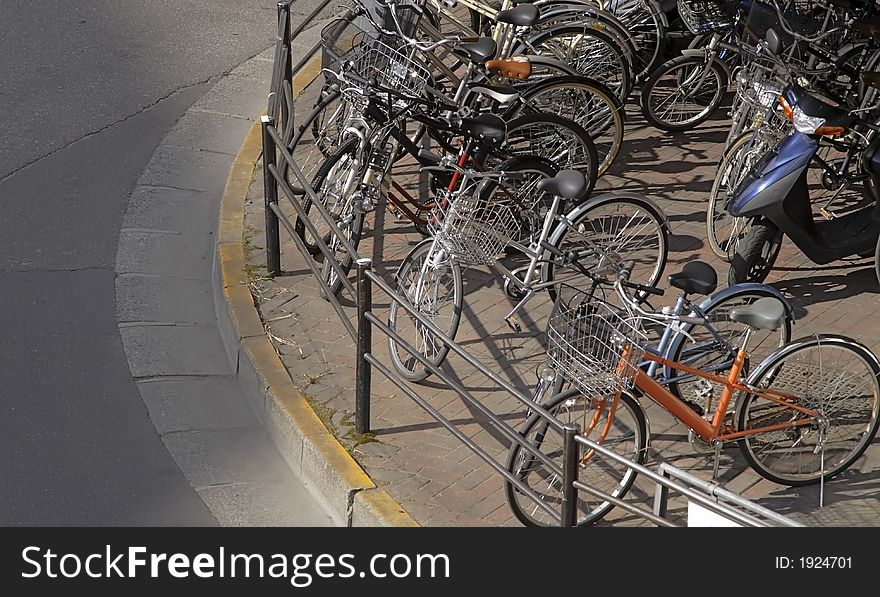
[277, 130]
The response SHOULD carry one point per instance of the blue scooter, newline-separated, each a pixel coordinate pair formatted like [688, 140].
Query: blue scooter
[776, 199]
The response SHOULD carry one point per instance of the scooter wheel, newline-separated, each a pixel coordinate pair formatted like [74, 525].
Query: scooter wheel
[756, 254]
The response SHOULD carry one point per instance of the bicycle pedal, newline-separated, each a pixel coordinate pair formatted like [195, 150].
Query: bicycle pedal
[513, 323]
[828, 215]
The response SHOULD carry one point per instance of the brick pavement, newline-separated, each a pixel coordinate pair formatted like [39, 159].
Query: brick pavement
[436, 478]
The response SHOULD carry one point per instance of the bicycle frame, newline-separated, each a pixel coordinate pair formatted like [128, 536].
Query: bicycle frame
[712, 430]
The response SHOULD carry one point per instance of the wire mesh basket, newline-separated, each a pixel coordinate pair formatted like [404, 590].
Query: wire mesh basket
[358, 53]
[471, 228]
[592, 343]
[702, 16]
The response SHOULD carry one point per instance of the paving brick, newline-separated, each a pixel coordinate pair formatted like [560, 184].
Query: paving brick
[439, 481]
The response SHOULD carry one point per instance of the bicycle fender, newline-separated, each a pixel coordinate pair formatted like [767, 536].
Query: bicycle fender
[609, 197]
[701, 54]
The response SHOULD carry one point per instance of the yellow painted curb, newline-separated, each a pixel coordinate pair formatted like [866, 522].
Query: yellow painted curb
[286, 398]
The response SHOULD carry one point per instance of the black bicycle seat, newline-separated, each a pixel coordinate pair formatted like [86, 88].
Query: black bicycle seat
[568, 184]
[524, 15]
[485, 128]
[695, 277]
[478, 51]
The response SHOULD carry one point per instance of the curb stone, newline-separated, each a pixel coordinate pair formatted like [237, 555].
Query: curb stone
[308, 447]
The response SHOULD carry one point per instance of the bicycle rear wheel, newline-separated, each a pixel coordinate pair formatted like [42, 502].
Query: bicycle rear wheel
[833, 375]
[593, 53]
[611, 227]
[625, 432]
[702, 350]
[682, 93]
[556, 138]
[589, 103]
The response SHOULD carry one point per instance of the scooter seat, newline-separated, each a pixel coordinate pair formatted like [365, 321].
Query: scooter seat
[764, 314]
[478, 51]
[568, 184]
[488, 129]
[695, 277]
[812, 105]
[524, 15]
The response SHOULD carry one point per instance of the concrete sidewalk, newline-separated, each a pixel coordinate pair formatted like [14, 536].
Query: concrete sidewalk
[435, 478]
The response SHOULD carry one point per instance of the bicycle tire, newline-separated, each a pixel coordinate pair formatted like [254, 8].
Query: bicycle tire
[416, 264]
[556, 138]
[593, 53]
[724, 231]
[685, 68]
[593, 224]
[317, 182]
[648, 25]
[630, 440]
[349, 219]
[788, 457]
[589, 103]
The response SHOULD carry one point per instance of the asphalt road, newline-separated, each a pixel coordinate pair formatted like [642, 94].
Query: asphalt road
[88, 89]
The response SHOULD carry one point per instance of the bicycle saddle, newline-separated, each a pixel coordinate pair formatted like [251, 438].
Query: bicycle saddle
[515, 67]
[696, 277]
[812, 105]
[764, 314]
[478, 51]
[568, 184]
[524, 15]
[487, 128]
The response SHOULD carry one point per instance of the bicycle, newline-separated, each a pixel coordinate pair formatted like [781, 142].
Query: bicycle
[477, 226]
[804, 414]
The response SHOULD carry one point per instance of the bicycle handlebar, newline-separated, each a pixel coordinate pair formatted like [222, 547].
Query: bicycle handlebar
[784, 25]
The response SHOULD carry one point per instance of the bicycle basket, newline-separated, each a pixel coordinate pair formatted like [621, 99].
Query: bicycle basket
[353, 47]
[707, 15]
[592, 343]
[471, 228]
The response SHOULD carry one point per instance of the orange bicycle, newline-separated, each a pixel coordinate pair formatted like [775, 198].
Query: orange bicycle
[804, 414]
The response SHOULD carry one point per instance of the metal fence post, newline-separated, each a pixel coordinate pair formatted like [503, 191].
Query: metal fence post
[661, 496]
[286, 72]
[270, 197]
[364, 345]
[569, 475]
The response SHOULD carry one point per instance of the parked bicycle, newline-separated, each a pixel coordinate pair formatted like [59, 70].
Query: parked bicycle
[801, 416]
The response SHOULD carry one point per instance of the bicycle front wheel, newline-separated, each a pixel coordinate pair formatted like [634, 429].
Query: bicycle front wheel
[682, 93]
[608, 229]
[431, 281]
[838, 378]
[618, 425]
[724, 231]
